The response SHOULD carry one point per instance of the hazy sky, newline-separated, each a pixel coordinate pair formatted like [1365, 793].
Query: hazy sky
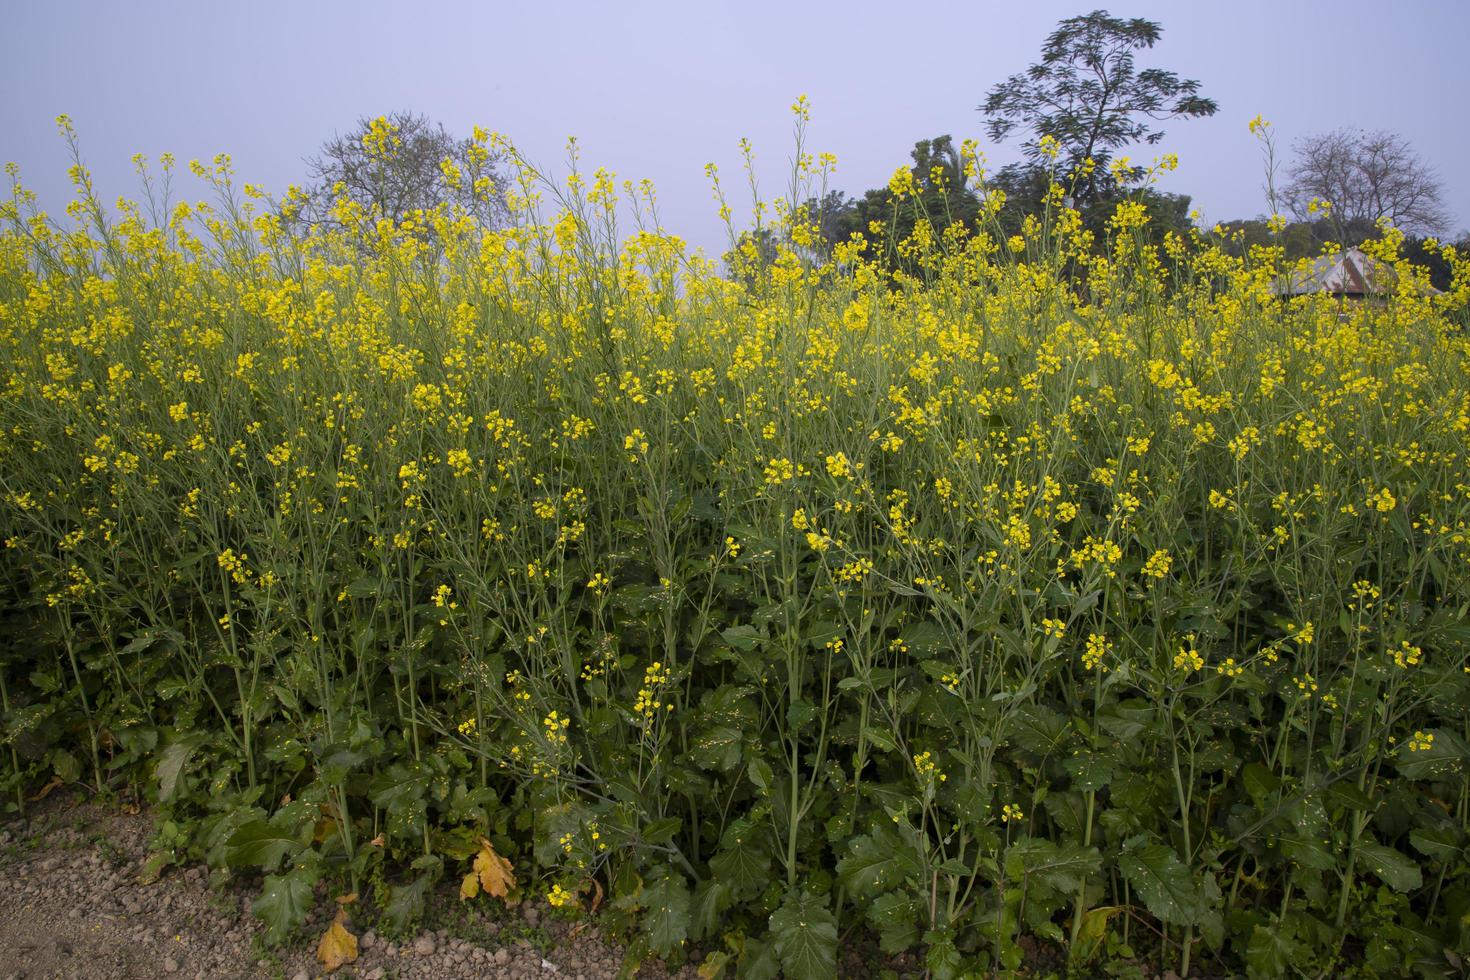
[658, 90]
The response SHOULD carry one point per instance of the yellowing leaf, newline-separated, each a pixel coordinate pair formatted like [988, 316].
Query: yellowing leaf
[324, 828]
[492, 873]
[338, 946]
[713, 966]
[470, 887]
[1091, 933]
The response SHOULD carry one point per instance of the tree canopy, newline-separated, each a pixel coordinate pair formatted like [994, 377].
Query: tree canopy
[1089, 95]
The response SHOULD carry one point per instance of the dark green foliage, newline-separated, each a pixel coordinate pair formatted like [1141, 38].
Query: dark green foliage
[1087, 93]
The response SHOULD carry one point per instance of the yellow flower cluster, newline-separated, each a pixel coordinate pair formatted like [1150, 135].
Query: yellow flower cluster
[1098, 647]
[927, 768]
[1406, 655]
[556, 728]
[648, 703]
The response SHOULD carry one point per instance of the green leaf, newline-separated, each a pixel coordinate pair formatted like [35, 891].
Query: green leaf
[707, 911]
[925, 638]
[1090, 771]
[758, 960]
[1062, 867]
[1392, 868]
[743, 862]
[882, 739]
[365, 587]
[1260, 782]
[941, 958]
[1162, 881]
[406, 902]
[284, 903]
[760, 774]
[666, 919]
[895, 916]
[1270, 953]
[725, 715]
[662, 831]
[1447, 754]
[799, 714]
[1126, 720]
[171, 763]
[261, 844]
[1309, 852]
[805, 932]
[1437, 842]
[876, 862]
[745, 637]
[1039, 730]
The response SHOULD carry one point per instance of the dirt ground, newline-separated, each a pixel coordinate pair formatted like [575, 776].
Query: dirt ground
[71, 905]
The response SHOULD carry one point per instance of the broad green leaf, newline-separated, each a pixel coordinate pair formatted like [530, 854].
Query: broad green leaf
[1270, 953]
[666, 915]
[1062, 867]
[1090, 771]
[799, 714]
[707, 910]
[171, 763]
[1038, 729]
[1259, 781]
[760, 774]
[895, 915]
[1345, 794]
[925, 638]
[1162, 881]
[1309, 852]
[881, 739]
[744, 637]
[662, 831]
[725, 715]
[406, 902]
[1442, 843]
[1447, 754]
[261, 844]
[758, 960]
[805, 933]
[1392, 868]
[876, 862]
[284, 903]
[941, 958]
[1126, 720]
[743, 862]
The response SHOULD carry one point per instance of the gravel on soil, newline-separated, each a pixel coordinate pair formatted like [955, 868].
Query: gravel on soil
[72, 905]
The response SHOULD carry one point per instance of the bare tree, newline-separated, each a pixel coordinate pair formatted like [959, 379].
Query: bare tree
[398, 164]
[1363, 177]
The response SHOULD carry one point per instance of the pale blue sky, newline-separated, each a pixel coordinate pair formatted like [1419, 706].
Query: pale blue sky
[657, 89]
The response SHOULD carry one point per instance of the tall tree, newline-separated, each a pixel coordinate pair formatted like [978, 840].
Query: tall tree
[1364, 177]
[1087, 93]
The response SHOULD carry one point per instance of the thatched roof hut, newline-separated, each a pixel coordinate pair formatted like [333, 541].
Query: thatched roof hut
[1349, 274]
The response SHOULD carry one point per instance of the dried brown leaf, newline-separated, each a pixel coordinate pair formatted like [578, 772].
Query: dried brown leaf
[493, 871]
[338, 946]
